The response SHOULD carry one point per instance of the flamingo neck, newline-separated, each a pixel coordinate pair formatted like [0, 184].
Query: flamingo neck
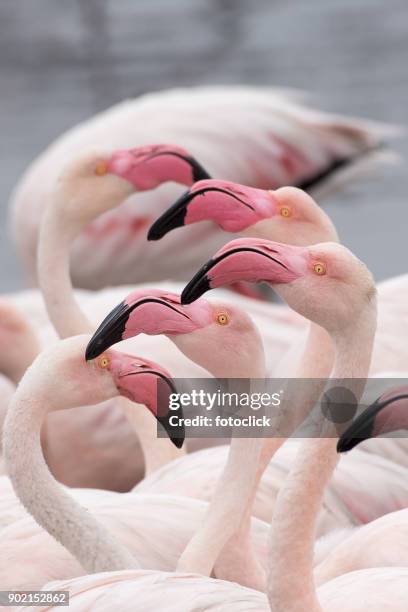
[54, 276]
[43, 497]
[249, 363]
[291, 541]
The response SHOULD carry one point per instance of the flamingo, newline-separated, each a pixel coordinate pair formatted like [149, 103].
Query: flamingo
[59, 378]
[257, 136]
[290, 269]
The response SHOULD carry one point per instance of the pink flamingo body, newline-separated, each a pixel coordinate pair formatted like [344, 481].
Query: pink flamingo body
[353, 592]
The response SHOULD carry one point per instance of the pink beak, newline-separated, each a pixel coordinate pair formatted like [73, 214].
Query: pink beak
[145, 382]
[150, 166]
[147, 311]
[231, 206]
[248, 259]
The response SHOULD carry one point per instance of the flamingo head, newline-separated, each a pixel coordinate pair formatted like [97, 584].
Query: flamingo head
[388, 414]
[144, 382]
[217, 336]
[98, 181]
[61, 372]
[287, 214]
[325, 283]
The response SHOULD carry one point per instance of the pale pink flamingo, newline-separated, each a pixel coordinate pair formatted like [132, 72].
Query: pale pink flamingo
[256, 136]
[290, 270]
[60, 378]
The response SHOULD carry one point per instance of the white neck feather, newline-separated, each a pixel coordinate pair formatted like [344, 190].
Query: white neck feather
[291, 541]
[54, 509]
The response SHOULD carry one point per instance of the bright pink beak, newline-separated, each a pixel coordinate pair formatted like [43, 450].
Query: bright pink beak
[150, 166]
[231, 206]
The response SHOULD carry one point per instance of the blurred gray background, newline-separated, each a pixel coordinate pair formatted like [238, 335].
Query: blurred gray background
[62, 62]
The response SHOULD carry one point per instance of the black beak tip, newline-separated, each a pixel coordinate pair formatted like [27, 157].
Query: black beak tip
[96, 346]
[346, 444]
[155, 233]
[178, 442]
[194, 290]
[91, 351]
[186, 297]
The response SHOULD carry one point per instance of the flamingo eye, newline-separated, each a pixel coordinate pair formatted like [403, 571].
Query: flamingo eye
[101, 168]
[222, 318]
[104, 362]
[285, 211]
[319, 268]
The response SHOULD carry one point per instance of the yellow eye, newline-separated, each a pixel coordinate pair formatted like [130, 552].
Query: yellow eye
[101, 168]
[319, 268]
[104, 362]
[222, 319]
[285, 211]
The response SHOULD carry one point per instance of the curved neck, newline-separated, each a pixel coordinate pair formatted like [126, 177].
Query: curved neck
[44, 498]
[54, 276]
[292, 533]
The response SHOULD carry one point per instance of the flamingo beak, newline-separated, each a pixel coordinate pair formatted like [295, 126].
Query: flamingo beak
[365, 426]
[153, 387]
[231, 206]
[113, 328]
[245, 260]
[109, 332]
[361, 429]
